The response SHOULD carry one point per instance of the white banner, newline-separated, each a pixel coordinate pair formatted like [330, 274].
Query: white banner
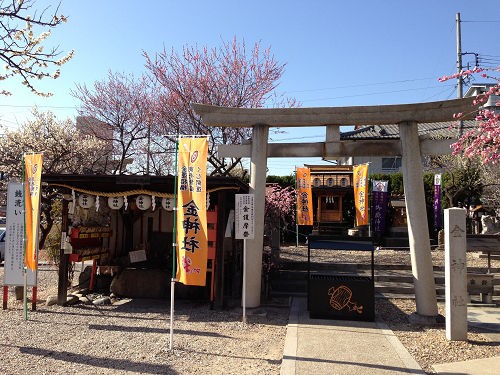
[244, 217]
[437, 179]
[14, 239]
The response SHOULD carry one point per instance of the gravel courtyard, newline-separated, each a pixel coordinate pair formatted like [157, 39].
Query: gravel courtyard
[132, 336]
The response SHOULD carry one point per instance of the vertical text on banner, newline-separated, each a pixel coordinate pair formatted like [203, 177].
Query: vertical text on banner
[33, 176]
[14, 243]
[360, 175]
[437, 202]
[304, 197]
[192, 244]
[380, 197]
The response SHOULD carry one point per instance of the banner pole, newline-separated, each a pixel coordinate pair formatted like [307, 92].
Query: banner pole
[25, 284]
[369, 200]
[296, 212]
[244, 299]
[25, 294]
[174, 251]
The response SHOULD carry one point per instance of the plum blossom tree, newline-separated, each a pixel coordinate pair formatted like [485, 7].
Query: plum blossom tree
[118, 110]
[229, 76]
[65, 150]
[22, 44]
[484, 140]
[279, 209]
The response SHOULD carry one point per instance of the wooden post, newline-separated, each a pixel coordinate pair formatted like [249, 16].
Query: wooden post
[62, 286]
[219, 250]
[5, 296]
[33, 298]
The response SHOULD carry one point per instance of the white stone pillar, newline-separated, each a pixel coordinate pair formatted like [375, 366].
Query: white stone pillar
[455, 273]
[418, 231]
[258, 169]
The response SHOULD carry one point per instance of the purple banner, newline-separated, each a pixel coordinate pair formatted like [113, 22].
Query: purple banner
[379, 206]
[438, 225]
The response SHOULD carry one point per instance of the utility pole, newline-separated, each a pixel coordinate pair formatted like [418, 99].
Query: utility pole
[459, 59]
[460, 92]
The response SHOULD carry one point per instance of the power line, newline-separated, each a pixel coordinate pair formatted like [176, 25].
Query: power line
[480, 21]
[362, 85]
[374, 93]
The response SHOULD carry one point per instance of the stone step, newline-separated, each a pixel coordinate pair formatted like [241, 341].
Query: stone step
[397, 283]
[290, 266]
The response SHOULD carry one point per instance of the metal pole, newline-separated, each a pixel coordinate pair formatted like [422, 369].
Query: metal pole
[296, 213]
[174, 252]
[460, 80]
[244, 293]
[25, 286]
[459, 58]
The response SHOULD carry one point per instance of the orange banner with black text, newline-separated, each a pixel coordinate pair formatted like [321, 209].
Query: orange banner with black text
[32, 186]
[360, 177]
[192, 244]
[304, 197]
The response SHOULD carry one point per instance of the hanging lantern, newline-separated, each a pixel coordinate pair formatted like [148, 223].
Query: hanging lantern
[143, 202]
[167, 204]
[86, 200]
[115, 203]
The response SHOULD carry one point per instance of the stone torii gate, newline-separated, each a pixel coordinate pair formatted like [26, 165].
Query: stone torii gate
[409, 147]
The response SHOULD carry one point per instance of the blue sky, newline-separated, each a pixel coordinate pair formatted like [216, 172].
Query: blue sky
[337, 53]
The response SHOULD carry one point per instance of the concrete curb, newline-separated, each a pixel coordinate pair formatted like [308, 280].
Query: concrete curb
[403, 353]
[290, 347]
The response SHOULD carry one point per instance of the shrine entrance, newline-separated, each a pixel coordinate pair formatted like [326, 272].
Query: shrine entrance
[330, 208]
[410, 146]
[332, 191]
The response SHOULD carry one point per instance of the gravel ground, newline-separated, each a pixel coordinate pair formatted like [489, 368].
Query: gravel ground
[428, 345]
[132, 336]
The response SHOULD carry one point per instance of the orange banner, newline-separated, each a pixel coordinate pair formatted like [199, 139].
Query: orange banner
[304, 197]
[32, 186]
[360, 176]
[192, 249]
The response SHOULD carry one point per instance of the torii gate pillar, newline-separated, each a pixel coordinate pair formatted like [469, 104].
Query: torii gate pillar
[258, 170]
[418, 231]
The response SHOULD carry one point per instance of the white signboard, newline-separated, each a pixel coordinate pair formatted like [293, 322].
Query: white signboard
[244, 217]
[14, 239]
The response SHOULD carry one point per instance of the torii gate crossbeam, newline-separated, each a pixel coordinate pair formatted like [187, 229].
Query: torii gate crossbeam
[407, 116]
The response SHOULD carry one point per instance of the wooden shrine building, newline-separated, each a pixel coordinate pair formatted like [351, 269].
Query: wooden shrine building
[124, 225]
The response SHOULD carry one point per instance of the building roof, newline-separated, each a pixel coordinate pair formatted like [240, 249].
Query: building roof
[330, 169]
[120, 185]
[435, 130]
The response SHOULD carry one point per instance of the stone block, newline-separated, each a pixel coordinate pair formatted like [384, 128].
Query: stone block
[141, 283]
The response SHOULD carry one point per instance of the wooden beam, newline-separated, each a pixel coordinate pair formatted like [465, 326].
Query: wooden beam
[357, 115]
[62, 285]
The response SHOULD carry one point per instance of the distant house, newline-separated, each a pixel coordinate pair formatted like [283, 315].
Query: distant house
[392, 164]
